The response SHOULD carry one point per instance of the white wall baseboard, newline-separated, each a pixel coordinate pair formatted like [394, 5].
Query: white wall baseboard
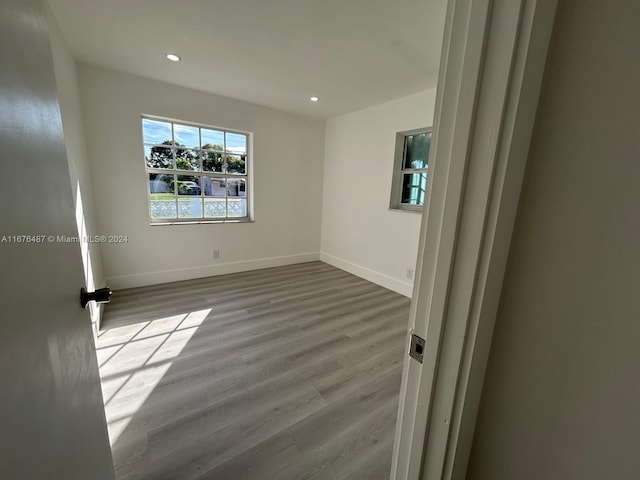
[381, 279]
[167, 276]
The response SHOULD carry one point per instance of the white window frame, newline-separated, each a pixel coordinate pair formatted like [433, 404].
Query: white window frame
[247, 176]
[399, 171]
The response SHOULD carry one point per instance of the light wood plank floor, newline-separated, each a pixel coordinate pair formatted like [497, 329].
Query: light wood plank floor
[288, 373]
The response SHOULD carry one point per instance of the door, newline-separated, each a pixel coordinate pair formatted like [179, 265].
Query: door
[52, 423]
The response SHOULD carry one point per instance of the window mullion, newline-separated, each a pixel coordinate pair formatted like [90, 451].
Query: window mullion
[226, 177]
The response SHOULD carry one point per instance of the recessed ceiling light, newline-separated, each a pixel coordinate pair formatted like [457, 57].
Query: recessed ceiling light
[314, 99]
[173, 57]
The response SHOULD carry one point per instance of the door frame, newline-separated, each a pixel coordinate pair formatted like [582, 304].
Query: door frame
[493, 58]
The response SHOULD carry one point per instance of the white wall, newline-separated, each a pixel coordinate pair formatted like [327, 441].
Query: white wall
[360, 233]
[77, 158]
[562, 394]
[288, 154]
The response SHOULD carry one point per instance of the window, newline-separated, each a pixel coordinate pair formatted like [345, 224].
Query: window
[411, 169]
[195, 173]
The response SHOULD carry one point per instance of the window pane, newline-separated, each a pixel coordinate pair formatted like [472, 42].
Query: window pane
[237, 187]
[161, 185]
[156, 132]
[237, 207]
[161, 195]
[187, 160]
[212, 139]
[158, 157]
[417, 150]
[214, 187]
[188, 185]
[211, 161]
[163, 209]
[215, 208]
[190, 207]
[236, 164]
[236, 143]
[414, 186]
[186, 136]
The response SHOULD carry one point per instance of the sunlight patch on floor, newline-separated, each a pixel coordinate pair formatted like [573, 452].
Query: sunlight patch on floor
[133, 360]
[119, 336]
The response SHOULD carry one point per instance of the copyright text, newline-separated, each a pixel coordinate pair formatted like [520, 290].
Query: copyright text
[64, 239]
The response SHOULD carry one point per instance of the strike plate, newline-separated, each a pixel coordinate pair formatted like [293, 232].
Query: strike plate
[416, 351]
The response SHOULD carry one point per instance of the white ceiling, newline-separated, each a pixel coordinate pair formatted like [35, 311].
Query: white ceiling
[350, 53]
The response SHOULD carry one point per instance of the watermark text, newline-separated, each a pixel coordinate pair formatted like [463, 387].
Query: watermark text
[36, 239]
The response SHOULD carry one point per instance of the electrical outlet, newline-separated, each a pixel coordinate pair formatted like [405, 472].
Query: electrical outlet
[410, 273]
[216, 254]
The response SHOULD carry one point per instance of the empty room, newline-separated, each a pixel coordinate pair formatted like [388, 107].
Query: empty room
[269, 239]
[262, 188]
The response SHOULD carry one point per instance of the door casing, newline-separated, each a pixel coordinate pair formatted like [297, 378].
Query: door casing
[491, 70]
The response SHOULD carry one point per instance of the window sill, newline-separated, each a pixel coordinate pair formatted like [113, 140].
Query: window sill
[202, 222]
[407, 210]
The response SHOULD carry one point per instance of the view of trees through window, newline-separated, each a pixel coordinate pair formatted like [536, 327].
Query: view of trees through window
[195, 172]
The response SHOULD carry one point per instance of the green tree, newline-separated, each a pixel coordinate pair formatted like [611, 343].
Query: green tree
[236, 163]
[212, 160]
[160, 157]
[186, 159]
[216, 147]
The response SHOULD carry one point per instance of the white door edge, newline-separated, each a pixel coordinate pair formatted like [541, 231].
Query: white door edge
[493, 60]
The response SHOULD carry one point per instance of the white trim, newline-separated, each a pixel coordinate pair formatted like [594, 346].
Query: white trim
[166, 276]
[378, 278]
[529, 58]
[193, 124]
[491, 69]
